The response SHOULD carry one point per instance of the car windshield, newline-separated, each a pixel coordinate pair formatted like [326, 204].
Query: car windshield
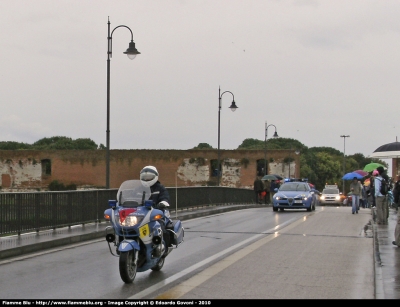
[330, 191]
[294, 186]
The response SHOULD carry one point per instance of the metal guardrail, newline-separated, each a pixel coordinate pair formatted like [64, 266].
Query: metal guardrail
[38, 211]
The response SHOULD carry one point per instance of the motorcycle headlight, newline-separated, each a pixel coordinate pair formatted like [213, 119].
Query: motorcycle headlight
[131, 220]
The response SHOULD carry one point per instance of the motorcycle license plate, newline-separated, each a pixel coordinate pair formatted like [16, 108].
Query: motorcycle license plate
[144, 231]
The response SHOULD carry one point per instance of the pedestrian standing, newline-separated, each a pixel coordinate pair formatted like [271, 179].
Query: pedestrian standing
[389, 196]
[355, 188]
[267, 191]
[274, 185]
[372, 188]
[258, 189]
[380, 199]
[396, 192]
[363, 198]
[366, 193]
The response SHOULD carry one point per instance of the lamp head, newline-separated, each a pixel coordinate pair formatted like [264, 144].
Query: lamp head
[233, 106]
[276, 134]
[131, 52]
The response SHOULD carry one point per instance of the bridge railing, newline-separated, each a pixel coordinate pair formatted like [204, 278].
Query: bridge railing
[37, 211]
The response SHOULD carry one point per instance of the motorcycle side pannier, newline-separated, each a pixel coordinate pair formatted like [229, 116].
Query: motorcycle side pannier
[177, 232]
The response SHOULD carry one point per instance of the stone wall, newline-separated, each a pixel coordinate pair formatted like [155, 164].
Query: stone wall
[31, 169]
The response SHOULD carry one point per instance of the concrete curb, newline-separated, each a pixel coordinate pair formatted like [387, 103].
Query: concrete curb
[31, 248]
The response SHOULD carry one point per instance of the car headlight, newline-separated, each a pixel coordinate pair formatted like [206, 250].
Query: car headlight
[278, 197]
[337, 197]
[322, 197]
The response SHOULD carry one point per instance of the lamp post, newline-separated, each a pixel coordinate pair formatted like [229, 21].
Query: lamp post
[344, 156]
[265, 145]
[233, 107]
[131, 52]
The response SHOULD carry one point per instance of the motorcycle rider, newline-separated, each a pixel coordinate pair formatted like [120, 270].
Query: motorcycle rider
[159, 195]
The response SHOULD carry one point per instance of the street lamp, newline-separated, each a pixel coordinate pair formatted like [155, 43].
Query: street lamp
[265, 145]
[131, 52]
[344, 156]
[233, 107]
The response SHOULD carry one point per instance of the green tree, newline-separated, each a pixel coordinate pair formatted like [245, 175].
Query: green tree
[84, 144]
[252, 144]
[351, 165]
[64, 143]
[285, 143]
[272, 143]
[327, 170]
[55, 142]
[203, 146]
[14, 146]
[306, 169]
[329, 150]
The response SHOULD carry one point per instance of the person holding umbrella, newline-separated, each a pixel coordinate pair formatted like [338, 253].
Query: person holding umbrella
[372, 187]
[258, 189]
[356, 189]
[380, 199]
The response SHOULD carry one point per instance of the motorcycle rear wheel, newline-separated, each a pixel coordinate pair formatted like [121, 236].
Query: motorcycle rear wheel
[127, 266]
[159, 264]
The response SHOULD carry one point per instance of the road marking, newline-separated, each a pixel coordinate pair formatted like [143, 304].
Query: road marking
[198, 279]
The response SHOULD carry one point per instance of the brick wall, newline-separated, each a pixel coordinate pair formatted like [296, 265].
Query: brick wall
[25, 169]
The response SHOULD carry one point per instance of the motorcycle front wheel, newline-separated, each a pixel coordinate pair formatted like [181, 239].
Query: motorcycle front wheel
[127, 266]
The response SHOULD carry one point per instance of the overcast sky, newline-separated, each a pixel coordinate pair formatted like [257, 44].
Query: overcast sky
[315, 69]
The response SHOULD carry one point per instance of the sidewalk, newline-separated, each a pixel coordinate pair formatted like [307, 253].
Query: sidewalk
[386, 256]
[387, 259]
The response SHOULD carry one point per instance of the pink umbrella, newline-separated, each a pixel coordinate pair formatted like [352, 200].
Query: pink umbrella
[361, 172]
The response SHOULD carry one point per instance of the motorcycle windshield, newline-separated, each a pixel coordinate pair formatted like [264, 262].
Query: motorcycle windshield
[132, 193]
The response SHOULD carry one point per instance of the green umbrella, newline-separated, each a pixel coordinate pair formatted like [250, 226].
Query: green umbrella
[372, 166]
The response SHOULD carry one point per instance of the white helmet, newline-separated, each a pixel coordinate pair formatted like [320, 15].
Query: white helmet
[148, 175]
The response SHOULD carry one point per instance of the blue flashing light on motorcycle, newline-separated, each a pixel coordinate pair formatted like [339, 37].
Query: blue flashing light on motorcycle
[136, 231]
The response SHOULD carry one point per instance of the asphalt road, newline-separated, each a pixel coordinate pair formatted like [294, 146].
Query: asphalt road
[248, 254]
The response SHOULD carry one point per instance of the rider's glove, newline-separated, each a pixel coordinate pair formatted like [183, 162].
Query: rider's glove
[163, 204]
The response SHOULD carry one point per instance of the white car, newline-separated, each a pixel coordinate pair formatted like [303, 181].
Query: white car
[330, 196]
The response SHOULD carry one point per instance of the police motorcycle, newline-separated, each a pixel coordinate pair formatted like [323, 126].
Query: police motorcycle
[136, 232]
